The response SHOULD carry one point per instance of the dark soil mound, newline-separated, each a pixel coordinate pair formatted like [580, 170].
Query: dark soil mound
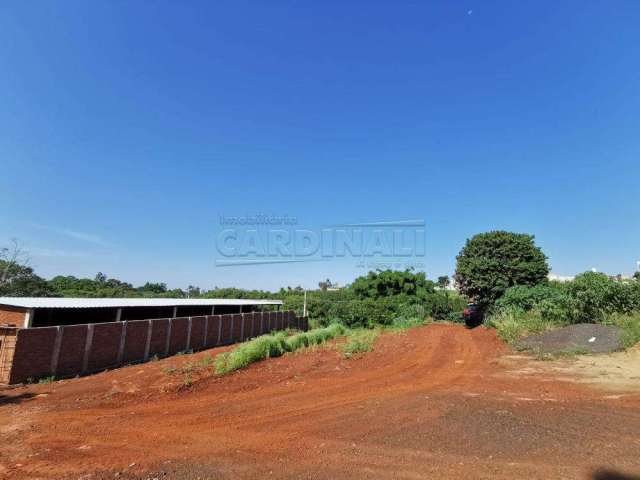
[580, 338]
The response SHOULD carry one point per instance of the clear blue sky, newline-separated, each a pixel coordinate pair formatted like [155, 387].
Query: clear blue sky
[127, 128]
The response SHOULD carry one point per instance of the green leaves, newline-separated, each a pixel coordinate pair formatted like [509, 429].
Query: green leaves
[492, 262]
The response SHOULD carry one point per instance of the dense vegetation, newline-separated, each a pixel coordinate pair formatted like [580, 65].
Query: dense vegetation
[591, 298]
[492, 262]
[380, 298]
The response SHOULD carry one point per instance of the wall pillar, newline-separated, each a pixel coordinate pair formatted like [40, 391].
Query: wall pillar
[28, 318]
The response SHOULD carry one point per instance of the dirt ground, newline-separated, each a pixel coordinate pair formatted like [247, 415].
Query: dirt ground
[438, 401]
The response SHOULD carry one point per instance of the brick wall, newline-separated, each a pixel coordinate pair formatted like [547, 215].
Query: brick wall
[76, 349]
[12, 316]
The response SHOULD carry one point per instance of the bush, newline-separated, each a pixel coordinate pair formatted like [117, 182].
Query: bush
[550, 299]
[492, 262]
[595, 295]
[591, 297]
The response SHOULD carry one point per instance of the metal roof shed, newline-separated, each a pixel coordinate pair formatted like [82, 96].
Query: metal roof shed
[46, 311]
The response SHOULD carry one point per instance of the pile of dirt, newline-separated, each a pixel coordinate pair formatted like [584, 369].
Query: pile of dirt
[579, 338]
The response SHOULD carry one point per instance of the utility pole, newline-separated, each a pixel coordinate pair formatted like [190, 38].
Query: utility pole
[304, 306]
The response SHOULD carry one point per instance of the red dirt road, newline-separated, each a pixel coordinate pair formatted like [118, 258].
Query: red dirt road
[435, 402]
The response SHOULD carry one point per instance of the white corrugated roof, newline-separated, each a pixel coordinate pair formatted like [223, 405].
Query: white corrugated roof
[53, 302]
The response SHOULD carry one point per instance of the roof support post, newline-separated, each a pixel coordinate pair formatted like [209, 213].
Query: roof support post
[175, 312]
[118, 314]
[28, 318]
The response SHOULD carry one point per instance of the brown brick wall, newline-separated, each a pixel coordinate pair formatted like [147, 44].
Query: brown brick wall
[262, 323]
[136, 341]
[74, 338]
[159, 331]
[213, 324]
[12, 316]
[196, 341]
[227, 323]
[249, 327]
[34, 347]
[179, 329]
[105, 346]
[237, 327]
[32, 357]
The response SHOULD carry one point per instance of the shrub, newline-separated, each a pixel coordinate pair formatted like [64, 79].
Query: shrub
[550, 299]
[595, 295]
[490, 263]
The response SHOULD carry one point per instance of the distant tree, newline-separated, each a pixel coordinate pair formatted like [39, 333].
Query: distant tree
[325, 285]
[153, 288]
[637, 276]
[443, 281]
[100, 277]
[17, 279]
[491, 262]
[193, 292]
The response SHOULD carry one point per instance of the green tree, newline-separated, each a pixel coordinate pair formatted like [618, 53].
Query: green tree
[153, 288]
[491, 262]
[20, 281]
[443, 281]
[17, 279]
[388, 283]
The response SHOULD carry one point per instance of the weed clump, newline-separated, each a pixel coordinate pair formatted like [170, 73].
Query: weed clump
[275, 345]
[359, 341]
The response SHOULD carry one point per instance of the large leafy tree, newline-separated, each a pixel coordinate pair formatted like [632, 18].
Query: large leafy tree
[492, 262]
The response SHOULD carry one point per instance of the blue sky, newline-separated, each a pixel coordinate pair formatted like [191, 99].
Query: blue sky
[128, 128]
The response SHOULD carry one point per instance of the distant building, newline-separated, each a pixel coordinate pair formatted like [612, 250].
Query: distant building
[561, 278]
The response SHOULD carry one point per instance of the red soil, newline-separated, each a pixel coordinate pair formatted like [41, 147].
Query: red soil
[432, 403]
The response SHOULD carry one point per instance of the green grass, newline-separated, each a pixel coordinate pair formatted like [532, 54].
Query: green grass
[274, 345]
[511, 325]
[47, 380]
[359, 341]
[630, 325]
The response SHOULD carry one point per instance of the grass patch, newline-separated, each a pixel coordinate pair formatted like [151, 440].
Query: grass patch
[513, 324]
[359, 341]
[630, 326]
[275, 345]
[47, 380]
